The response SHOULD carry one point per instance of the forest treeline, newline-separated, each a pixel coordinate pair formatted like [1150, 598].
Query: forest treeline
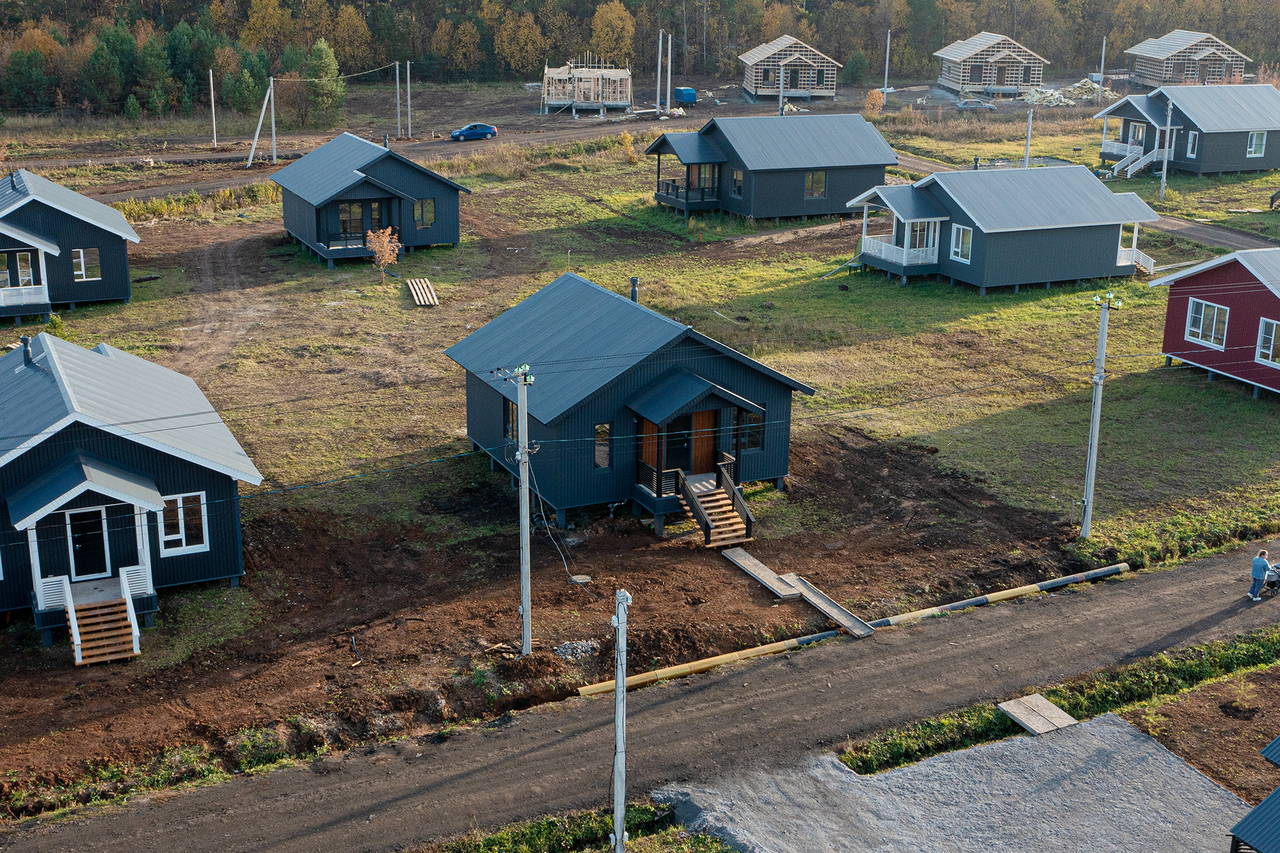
[154, 56]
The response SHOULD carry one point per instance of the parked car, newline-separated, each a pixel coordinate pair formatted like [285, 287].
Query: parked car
[973, 104]
[474, 131]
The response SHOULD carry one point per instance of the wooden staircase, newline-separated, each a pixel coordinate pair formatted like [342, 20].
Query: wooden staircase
[727, 526]
[106, 632]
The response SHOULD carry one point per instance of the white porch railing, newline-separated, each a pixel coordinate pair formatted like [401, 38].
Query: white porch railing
[1134, 256]
[125, 593]
[897, 254]
[139, 579]
[1115, 146]
[23, 296]
[56, 592]
[1142, 162]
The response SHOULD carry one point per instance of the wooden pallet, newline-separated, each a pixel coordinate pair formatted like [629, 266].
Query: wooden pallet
[423, 293]
[106, 634]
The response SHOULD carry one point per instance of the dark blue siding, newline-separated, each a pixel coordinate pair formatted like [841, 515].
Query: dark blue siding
[299, 218]
[71, 233]
[420, 185]
[782, 193]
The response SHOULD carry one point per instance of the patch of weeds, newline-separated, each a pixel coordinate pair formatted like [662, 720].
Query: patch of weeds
[196, 618]
[585, 831]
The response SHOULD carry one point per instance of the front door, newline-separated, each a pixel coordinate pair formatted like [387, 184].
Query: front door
[87, 540]
[704, 442]
[680, 444]
[1000, 74]
[794, 74]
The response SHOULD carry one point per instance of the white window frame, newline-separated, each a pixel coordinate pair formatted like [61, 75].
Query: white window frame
[957, 241]
[1208, 343]
[1137, 132]
[1193, 144]
[1270, 356]
[929, 230]
[24, 260]
[78, 265]
[1253, 150]
[4, 269]
[174, 551]
[71, 546]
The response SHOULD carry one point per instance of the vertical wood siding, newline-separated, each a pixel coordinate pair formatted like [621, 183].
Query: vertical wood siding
[420, 185]
[70, 233]
[782, 193]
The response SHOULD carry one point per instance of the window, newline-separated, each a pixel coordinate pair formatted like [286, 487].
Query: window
[1193, 144]
[737, 183]
[4, 270]
[511, 421]
[1207, 324]
[375, 214]
[751, 427]
[85, 264]
[975, 73]
[25, 278]
[924, 235]
[351, 218]
[87, 545]
[424, 212]
[961, 243]
[183, 524]
[815, 185]
[602, 445]
[1257, 144]
[820, 78]
[1268, 353]
[1137, 132]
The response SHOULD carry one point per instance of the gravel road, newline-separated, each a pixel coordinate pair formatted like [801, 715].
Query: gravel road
[765, 714]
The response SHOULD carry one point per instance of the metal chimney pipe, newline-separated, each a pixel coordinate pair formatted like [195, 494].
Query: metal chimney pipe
[635, 289]
[26, 350]
[386, 141]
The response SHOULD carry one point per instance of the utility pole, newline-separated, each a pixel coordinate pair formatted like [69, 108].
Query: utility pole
[523, 379]
[398, 134]
[213, 110]
[1026, 157]
[888, 40]
[657, 95]
[1168, 145]
[1102, 74]
[670, 40]
[618, 838]
[1095, 420]
[408, 95]
[272, 94]
[253, 149]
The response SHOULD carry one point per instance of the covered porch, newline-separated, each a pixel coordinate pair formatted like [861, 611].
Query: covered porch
[911, 247]
[23, 278]
[698, 185]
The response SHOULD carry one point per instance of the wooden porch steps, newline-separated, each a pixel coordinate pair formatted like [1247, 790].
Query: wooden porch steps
[1141, 268]
[105, 632]
[727, 527]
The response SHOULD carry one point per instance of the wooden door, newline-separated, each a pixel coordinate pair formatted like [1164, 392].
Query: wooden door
[649, 442]
[1000, 74]
[704, 442]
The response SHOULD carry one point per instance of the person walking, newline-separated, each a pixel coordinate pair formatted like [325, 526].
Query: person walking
[1259, 573]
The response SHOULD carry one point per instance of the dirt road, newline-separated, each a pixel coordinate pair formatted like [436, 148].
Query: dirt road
[766, 714]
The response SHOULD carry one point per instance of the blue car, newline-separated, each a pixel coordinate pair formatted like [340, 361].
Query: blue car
[474, 131]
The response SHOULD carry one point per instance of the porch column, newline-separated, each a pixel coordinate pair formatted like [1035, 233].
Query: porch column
[1135, 240]
[658, 185]
[662, 456]
[34, 550]
[737, 446]
[1104, 126]
[865, 210]
[144, 546]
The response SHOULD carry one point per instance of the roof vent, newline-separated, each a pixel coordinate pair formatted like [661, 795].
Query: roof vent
[635, 289]
[386, 141]
[26, 350]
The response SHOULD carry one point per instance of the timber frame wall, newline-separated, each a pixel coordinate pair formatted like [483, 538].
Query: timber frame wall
[809, 73]
[586, 83]
[1182, 67]
[1003, 67]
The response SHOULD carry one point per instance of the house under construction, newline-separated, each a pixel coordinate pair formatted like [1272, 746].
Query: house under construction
[990, 63]
[802, 71]
[586, 83]
[1183, 57]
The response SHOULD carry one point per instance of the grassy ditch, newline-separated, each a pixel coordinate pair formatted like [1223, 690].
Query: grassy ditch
[1166, 674]
[192, 205]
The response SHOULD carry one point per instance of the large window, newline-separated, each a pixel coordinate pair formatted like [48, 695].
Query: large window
[815, 185]
[961, 243]
[375, 215]
[602, 445]
[737, 183]
[86, 265]
[924, 235]
[511, 420]
[1268, 353]
[25, 277]
[4, 270]
[1193, 144]
[183, 524]
[1207, 324]
[351, 218]
[751, 427]
[424, 212]
[1257, 144]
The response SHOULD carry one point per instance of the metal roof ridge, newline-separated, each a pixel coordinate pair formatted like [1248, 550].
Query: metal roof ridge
[57, 371]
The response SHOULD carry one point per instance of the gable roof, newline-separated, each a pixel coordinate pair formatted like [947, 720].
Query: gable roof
[965, 48]
[1170, 43]
[337, 166]
[1032, 199]
[775, 143]
[1271, 752]
[577, 337]
[907, 202]
[1262, 264]
[751, 57]
[1260, 828]
[1150, 110]
[76, 474]
[118, 393]
[22, 186]
[691, 148]
[1226, 109]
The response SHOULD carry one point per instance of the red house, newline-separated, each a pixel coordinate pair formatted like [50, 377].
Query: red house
[1224, 316]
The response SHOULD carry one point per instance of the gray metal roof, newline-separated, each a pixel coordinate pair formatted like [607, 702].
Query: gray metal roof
[22, 186]
[670, 394]
[1030, 199]
[1271, 752]
[118, 393]
[907, 202]
[31, 238]
[691, 148]
[1152, 111]
[577, 337]
[771, 143]
[1225, 109]
[79, 473]
[336, 166]
[751, 57]
[965, 48]
[1260, 828]
[1263, 264]
[1169, 44]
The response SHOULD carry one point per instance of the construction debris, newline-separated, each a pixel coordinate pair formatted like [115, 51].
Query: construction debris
[1085, 90]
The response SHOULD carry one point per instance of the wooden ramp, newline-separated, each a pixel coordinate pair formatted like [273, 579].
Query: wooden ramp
[791, 586]
[423, 293]
[1037, 714]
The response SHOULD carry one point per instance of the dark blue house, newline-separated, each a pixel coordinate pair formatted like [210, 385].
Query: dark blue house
[1259, 830]
[58, 247]
[350, 186]
[628, 405]
[117, 478]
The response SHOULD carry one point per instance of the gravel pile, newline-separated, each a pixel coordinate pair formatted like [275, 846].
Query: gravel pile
[577, 649]
[1099, 786]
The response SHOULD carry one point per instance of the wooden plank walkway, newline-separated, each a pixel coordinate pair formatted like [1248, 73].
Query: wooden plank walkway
[780, 587]
[1037, 714]
[423, 293]
[791, 586]
[831, 610]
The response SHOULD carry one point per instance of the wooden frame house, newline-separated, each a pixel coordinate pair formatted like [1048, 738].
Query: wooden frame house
[586, 83]
[627, 405]
[802, 71]
[990, 64]
[58, 247]
[1223, 316]
[1183, 57]
[1005, 228]
[772, 166]
[117, 478]
[1212, 130]
[350, 186]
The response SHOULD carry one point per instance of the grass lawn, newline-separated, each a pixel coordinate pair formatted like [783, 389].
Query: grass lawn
[1219, 199]
[942, 135]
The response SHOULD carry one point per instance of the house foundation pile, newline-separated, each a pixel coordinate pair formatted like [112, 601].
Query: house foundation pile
[586, 83]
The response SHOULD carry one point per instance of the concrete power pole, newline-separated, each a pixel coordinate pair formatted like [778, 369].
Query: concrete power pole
[619, 836]
[272, 93]
[398, 133]
[1168, 146]
[1095, 420]
[1102, 73]
[888, 40]
[523, 380]
[408, 96]
[1026, 157]
[213, 110]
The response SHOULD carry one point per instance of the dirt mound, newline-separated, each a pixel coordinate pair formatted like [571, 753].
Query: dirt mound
[535, 666]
